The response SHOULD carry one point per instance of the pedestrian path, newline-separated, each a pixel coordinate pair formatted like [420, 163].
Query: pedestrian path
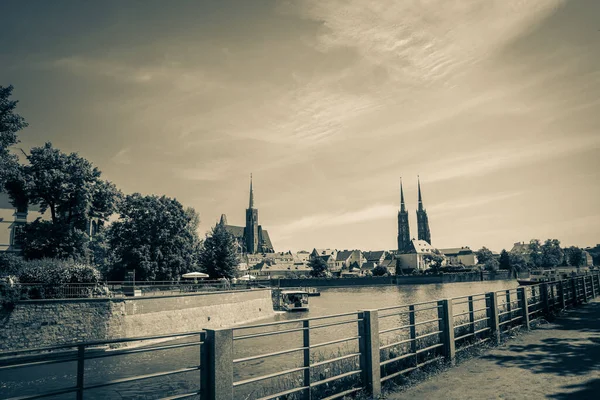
[560, 361]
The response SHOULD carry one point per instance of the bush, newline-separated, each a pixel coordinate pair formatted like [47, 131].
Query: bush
[10, 292]
[11, 264]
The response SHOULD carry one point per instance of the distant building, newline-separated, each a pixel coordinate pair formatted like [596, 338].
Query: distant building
[376, 257]
[415, 258]
[522, 249]
[346, 259]
[252, 238]
[459, 256]
[12, 219]
[327, 255]
[277, 265]
[588, 259]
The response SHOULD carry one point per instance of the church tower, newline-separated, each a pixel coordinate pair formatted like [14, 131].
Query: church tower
[403, 228]
[251, 230]
[422, 219]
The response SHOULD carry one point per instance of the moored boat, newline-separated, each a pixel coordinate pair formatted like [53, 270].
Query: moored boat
[294, 300]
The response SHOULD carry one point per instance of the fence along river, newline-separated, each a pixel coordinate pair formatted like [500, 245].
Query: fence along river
[182, 355]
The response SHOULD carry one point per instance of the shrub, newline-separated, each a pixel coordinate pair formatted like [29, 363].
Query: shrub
[10, 292]
[11, 264]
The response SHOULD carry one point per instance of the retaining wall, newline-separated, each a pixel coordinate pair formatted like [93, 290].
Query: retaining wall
[41, 323]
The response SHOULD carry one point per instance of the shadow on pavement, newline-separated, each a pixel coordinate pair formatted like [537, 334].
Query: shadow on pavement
[563, 356]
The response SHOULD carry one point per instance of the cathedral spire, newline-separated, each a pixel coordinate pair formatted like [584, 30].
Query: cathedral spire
[251, 194]
[420, 197]
[402, 206]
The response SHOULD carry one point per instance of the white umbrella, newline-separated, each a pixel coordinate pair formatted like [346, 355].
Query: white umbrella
[195, 275]
[247, 277]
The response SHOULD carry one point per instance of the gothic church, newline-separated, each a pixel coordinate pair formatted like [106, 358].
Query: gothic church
[252, 238]
[405, 244]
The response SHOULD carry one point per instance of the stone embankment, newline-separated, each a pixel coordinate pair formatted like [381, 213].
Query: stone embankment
[41, 323]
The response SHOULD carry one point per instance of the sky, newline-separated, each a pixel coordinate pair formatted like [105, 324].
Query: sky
[494, 104]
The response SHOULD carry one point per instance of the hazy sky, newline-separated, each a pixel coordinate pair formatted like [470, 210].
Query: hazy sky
[495, 104]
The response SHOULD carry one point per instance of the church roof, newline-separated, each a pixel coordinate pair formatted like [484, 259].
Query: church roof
[344, 255]
[421, 247]
[374, 255]
[456, 251]
[263, 237]
[236, 231]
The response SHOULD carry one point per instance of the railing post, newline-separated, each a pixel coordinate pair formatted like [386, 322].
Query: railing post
[372, 365]
[491, 301]
[585, 292]
[561, 295]
[306, 353]
[471, 316]
[447, 327]
[219, 349]
[522, 293]
[544, 298]
[412, 319]
[575, 294]
[593, 287]
[80, 370]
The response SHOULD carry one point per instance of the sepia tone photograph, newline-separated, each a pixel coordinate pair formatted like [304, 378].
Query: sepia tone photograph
[300, 199]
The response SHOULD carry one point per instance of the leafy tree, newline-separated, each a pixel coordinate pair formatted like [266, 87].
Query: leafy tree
[491, 265]
[517, 262]
[504, 260]
[218, 256]
[43, 239]
[434, 260]
[318, 267]
[69, 186]
[535, 253]
[552, 254]
[379, 271]
[153, 236]
[484, 255]
[574, 256]
[10, 124]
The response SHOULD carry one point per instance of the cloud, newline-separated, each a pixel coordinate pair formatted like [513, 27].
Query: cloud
[123, 156]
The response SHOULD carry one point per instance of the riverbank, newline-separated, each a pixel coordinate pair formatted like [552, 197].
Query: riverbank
[558, 360]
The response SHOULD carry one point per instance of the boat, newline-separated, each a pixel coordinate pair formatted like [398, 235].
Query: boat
[294, 300]
[551, 275]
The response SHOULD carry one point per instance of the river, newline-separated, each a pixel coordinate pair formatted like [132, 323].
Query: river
[332, 301]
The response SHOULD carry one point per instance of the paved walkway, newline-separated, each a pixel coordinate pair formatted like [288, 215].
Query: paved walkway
[555, 361]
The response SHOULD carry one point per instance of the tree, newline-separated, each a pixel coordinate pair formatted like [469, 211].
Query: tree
[153, 236]
[484, 255]
[504, 260]
[535, 253]
[380, 271]
[552, 254]
[491, 265]
[10, 124]
[43, 239]
[218, 256]
[517, 262]
[574, 256]
[69, 186]
[434, 260]
[318, 267]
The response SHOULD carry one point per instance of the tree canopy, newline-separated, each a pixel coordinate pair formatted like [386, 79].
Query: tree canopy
[218, 255]
[574, 256]
[552, 254]
[318, 267]
[504, 262]
[155, 236]
[10, 124]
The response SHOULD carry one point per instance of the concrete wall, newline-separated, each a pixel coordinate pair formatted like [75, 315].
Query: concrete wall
[41, 323]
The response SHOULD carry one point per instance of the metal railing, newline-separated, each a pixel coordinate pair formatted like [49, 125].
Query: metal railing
[333, 356]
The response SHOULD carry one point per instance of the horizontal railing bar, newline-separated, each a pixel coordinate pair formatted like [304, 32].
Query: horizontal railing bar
[37, 363]
[424, 363]
[42, 395]
[143, 350]
[276, 353]
[271, 333]
[291, 321]
[182, 396]
[343, 394]
[465, 324]
[396, 328]
[435, 346]
[397, 343]
[463, 313]
[269, 376]
[428, 334]
[280, 394]
[427, 322]
[141, 377]
[334, 359]
[509, 321]
[314, 346]
[398, 373]
[335, 323]
[333, 378]
[482, 295]
[408, 305]
[398, 358]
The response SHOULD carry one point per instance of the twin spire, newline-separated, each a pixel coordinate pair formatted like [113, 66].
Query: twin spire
[251, 194]
[402, 205]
